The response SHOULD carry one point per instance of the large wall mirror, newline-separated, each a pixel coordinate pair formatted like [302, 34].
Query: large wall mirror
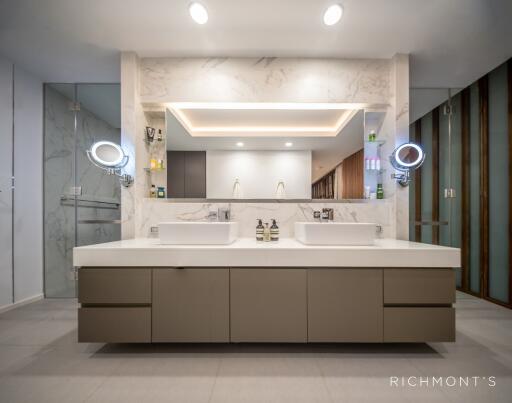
[271, 151]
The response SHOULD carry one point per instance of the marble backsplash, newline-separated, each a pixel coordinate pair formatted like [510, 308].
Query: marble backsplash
[154, 211]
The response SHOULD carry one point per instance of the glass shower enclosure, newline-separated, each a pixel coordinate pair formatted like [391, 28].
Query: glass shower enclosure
[82, 203]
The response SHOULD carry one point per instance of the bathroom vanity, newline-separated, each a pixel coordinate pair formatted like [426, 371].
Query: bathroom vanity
[142, 291]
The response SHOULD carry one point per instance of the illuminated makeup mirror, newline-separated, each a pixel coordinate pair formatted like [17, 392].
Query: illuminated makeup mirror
[111, 158]
[405, 158]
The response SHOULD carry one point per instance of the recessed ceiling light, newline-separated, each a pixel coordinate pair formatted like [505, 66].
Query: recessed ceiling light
[288, 144]
[333, 14]
[239, 144]
[198, 13]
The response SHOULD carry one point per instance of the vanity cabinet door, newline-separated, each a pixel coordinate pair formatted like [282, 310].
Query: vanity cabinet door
[268, 305]
[345, 305]
[190, 305]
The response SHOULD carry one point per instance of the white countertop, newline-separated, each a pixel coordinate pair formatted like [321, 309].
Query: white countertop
[246, 252]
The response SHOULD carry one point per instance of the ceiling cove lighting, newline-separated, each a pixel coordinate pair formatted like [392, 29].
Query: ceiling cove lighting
[348, 110]
[302, 106]
[198, 13]
[333, 14]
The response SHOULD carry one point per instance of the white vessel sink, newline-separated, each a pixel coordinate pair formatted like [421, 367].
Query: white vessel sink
[197, 233]
[335, 233]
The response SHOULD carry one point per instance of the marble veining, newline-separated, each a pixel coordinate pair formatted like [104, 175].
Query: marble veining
[246, 214]
[265, 80]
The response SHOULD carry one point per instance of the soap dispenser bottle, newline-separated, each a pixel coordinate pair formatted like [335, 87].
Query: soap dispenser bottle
[274, 231]
[266, 233]
[259, 231]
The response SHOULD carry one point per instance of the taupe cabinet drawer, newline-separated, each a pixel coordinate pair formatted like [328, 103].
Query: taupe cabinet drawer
[419, 286]
[345, 305]
[114, 325]
[423, 324]
[190, 305]
[268, 305]
[114, 286]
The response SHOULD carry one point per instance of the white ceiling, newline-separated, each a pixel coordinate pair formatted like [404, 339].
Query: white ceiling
[451, 42]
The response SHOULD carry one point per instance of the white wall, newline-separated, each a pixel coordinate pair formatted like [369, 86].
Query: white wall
[5, 182]
[28, 193]
[24, 274]
[259, 173]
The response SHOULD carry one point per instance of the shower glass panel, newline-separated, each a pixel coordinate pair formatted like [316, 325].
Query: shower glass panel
[474, 186]
[498, 185]
[426, 179]
[99, 212]
[59, 212]
[82, 203]
[450, 176]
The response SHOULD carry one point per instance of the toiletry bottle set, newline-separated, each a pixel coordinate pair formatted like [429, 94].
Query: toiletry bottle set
[266, 233]
[372, 164]
[372, 136]
[157, 192]
[156, 164]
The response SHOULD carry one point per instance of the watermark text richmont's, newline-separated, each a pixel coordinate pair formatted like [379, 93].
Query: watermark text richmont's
[441, 381]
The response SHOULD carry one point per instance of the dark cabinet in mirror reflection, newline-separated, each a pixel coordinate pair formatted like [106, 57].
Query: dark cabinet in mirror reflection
[186, 174]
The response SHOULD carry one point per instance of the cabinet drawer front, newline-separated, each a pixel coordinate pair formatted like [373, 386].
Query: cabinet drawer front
[114, 325]
[268, 305]
[419, 286]
[114, 286]
[419, 324]
[190, 305]
[345, 305]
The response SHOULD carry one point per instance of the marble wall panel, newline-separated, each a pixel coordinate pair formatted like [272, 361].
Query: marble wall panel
[246, 214]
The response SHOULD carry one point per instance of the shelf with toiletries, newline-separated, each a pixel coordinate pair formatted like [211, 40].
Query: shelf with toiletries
[376, 171]
[375, 142]
[373, 164]
[151, 138]
[154, 169]
[155, 165]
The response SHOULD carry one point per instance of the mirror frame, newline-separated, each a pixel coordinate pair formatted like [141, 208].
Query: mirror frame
[120, 162]
[404, 178]
[112, 168]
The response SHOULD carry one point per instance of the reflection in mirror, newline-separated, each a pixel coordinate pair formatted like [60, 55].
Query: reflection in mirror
[408, 155]
[311, 150]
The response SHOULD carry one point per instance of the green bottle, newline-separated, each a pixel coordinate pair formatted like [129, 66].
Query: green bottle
[380, 191]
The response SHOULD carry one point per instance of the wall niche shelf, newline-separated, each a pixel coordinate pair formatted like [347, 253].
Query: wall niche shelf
[375, 142]
[154, 169]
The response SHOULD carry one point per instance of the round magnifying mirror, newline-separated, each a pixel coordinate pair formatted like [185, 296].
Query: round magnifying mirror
[107, 154]
[407, 156]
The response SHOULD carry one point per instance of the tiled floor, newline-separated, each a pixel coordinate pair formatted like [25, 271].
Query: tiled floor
[40, 361]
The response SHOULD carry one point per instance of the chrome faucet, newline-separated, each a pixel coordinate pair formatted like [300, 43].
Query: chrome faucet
[212, 216]
[224, 213]
[327, 214]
